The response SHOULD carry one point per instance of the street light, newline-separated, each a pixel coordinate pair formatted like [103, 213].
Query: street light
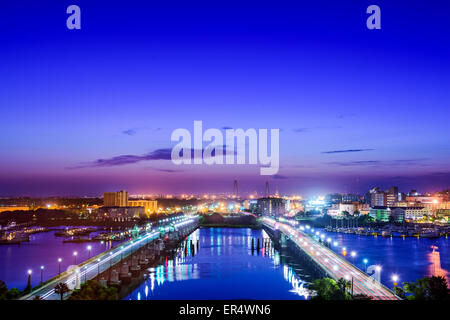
[365, 263]
[42, 273]
[59, 270]
[89, 251]
[395, 279]
[75, 257]
[29, 279]
[98, 267]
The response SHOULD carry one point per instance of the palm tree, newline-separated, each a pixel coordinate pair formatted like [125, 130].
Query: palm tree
[344, 285]
[61, 288]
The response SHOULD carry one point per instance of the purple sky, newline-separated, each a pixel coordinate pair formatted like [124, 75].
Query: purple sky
[120, 86]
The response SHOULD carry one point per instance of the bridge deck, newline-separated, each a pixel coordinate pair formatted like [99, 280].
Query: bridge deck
[334, 265]
[91, 268]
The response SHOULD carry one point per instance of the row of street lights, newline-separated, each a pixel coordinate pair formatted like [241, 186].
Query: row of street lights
[75, 254]
[353, 254]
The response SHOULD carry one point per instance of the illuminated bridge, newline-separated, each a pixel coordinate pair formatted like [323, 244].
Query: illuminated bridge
[331, 263]
[93, 267]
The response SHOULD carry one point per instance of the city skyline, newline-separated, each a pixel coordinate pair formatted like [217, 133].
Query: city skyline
[356, 108]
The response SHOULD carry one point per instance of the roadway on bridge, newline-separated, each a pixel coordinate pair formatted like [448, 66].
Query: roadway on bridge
[89, 270]
[336, 266]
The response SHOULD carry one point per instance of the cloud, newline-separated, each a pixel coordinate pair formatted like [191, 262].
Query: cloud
[347, 150]
[167, 170]
[159, 154]
[380, 163]
[226, 127]
[130, 132]
[280, 177]
[308, 129]
[346, 115]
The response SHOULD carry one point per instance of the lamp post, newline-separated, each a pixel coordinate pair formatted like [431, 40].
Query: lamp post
[353, 255]
[59, 269]
[28, 288]
[395, 280]
[42, 273]
[365, 264]
[98, 267]
[75, 257]
[89, 251]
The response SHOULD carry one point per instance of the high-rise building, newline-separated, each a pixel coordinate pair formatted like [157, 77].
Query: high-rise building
[115, 199]
[377, 199]
[271, 206]
[150, 206]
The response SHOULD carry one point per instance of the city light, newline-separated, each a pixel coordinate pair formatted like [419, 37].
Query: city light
[29, 271]
[353, 254]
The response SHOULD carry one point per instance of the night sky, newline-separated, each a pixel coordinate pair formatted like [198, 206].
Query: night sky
[356, 108]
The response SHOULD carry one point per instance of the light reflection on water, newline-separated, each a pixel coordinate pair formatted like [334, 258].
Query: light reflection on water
[224, 267]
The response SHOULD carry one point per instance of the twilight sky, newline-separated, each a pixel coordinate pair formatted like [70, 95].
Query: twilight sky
[356, 107]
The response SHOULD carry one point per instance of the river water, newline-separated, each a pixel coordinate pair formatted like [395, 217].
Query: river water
[225, 267]
[410, 258]
[43, 249]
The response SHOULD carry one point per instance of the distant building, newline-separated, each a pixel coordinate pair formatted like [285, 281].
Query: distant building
[398, 214]
[380, 213]
[378, 199]
[115, 199]
[121, 213]
[271, 206]
[416, 213]
[13, 208]
[150, 206]
[362, 208]
[350, 197]
[337, 209]
[333, 198]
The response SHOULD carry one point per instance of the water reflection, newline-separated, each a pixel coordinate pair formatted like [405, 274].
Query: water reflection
[220, 264]
[435, 268]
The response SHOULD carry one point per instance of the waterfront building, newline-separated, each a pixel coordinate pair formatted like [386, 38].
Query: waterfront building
[362, 208]
[271, 206]
[398, 214]
[150, 206]
[121, 213]
[416, 213]
[380, 213]
[115, 199]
